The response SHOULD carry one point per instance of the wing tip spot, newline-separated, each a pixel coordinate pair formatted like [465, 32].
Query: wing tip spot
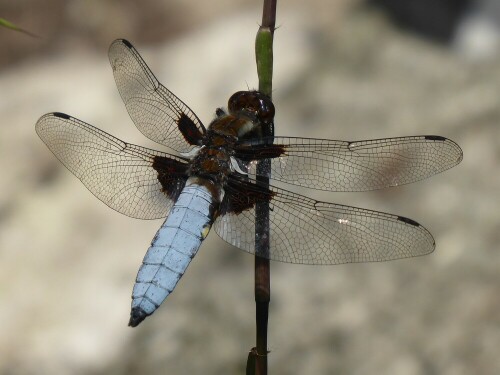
[127, 43]
[61, 115]
[435, 138]
[408, 221]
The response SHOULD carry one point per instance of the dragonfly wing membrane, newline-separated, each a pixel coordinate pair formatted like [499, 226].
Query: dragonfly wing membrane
[158, 113]
[132, 180]
[306, 231]
[352, 166]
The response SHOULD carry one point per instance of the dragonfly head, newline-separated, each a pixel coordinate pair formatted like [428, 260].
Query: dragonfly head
[253, 104]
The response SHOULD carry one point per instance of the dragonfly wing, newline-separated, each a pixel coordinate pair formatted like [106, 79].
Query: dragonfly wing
[157, 112]
[351, 166]
[303, 230]
[132, 180]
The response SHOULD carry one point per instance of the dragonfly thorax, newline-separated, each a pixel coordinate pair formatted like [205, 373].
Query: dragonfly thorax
[212, 163]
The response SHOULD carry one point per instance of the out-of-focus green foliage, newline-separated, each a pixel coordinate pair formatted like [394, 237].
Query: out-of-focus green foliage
[10, 25]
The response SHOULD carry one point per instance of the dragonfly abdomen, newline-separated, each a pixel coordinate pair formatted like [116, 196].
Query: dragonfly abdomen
[173, 247]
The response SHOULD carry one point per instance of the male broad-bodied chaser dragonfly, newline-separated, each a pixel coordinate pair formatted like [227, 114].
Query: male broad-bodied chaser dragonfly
[213, 180]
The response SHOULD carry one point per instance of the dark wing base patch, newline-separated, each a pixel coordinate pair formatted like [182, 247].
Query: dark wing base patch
[243, 195]
[172, 175]
[189, 130]
[249, 152]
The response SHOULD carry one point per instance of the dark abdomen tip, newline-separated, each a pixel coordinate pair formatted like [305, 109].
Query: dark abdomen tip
[137, 315]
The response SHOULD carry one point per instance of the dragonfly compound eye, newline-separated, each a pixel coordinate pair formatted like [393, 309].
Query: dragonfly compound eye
[253, 103]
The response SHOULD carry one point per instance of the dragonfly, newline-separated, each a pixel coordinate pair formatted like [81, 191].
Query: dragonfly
[211, 179]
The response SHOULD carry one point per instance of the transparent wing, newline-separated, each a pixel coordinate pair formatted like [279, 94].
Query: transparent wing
[132, 180]
[352, 166]
[306, 231]
[156, 112]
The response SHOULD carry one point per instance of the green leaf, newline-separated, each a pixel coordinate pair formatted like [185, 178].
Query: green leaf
[10, 25]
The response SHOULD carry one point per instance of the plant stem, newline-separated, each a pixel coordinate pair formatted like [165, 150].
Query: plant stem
[257, 363]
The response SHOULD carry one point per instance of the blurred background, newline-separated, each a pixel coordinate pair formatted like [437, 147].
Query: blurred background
[344, 69]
